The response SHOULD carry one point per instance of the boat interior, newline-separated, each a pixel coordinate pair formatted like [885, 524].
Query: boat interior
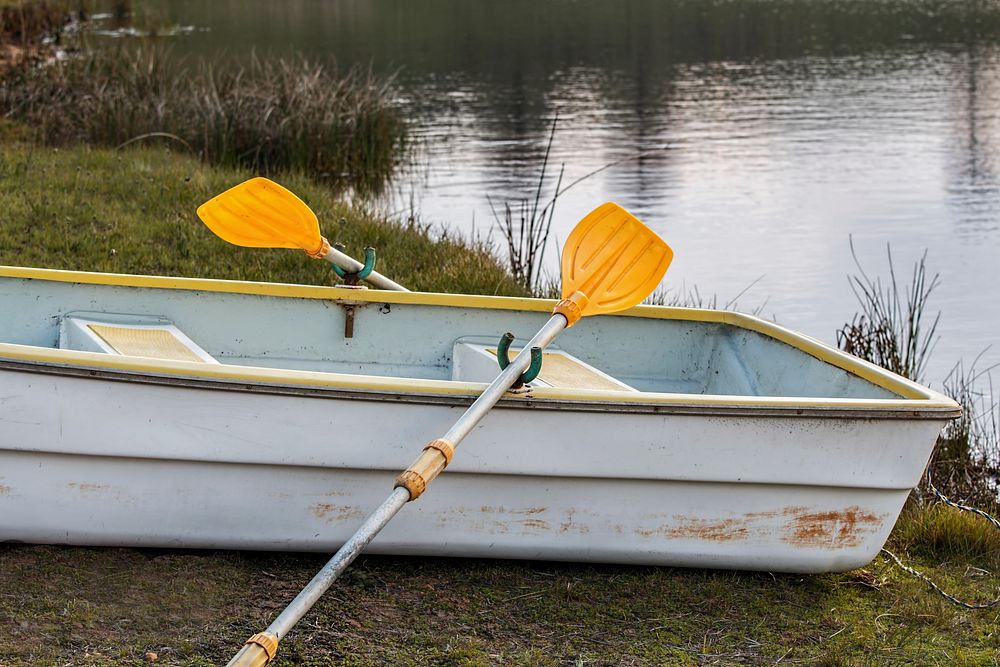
[669, 350]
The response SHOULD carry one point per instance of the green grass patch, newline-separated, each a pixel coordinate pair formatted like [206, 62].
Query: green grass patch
[133, 211]
[944, 534]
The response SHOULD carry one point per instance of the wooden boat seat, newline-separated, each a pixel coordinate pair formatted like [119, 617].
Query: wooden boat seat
[477, 362]
[147, 337]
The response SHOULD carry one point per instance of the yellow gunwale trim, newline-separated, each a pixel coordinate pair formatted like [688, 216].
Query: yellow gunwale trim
[915, 396]
[279, 289]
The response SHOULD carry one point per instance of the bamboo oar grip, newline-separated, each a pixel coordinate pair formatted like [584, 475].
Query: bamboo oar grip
[258, 651]
[436, 456]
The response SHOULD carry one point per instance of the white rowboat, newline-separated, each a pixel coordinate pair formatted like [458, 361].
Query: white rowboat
[172, 412]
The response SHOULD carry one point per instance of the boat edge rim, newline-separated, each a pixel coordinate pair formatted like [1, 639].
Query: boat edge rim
[917, 395]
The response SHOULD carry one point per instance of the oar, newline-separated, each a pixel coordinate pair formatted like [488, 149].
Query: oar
[611, 262]
[259, 213]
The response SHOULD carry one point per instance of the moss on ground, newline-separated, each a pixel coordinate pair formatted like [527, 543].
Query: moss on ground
[87, 606]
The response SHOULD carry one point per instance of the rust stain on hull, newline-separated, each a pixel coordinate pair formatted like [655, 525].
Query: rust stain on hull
[489, 509]
[497, 519]
[571, 525]
[722, 530]
[798, 526]
[794, 525]
[715, 530]
[85, 486]
[5, 490]
[329, 512]
[845, 528]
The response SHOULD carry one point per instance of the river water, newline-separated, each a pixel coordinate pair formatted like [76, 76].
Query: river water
[771, 131]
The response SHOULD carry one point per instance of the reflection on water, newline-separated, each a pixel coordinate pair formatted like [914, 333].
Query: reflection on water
[788, 124]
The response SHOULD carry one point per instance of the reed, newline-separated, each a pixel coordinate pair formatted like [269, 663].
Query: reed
[268, 116]
[526, 227]
[891, 329]
[691, 297]
[966, 461]
[526, 224]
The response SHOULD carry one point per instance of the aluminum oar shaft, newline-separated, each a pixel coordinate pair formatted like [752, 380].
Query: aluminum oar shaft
[254, 652]
[336, 565]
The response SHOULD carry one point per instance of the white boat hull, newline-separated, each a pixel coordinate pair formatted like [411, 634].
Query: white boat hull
[112, 462]
[731, 442]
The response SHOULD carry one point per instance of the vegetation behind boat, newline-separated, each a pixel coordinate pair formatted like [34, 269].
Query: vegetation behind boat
[25, 23]
[132, 211]
[269, 116]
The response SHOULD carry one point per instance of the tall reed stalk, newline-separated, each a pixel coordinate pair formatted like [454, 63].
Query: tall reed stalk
[891, 330]
[526, 224]
[527, 232]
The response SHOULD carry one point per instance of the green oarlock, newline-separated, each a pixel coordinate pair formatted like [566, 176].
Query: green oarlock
[503, 358]
[365, 270]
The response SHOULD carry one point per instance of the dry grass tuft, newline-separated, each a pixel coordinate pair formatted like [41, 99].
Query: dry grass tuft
[269, 116]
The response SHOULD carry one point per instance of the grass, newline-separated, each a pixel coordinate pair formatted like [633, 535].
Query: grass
[966, 461]
[133, 211]
[269, 116]
[87, 606]
[948, 535]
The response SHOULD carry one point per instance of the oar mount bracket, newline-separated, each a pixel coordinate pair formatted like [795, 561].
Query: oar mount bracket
[503, 358]
[354, 278]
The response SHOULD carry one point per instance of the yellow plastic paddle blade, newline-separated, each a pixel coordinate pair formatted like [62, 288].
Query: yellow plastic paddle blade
[259, 213]
[611, 262]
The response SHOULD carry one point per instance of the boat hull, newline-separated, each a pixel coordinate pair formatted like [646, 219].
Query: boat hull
[133, 459]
